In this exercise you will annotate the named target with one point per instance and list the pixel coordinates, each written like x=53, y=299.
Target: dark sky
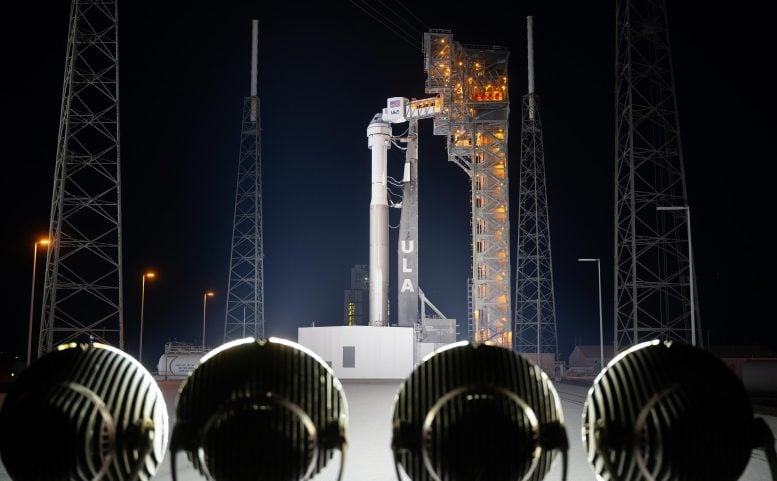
x=325, y=68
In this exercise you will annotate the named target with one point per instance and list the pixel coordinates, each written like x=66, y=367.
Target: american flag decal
x=394, y=103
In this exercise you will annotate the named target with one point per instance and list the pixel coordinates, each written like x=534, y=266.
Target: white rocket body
x=379, y=141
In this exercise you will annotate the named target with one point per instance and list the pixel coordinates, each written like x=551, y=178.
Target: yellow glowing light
x=70, y=345
x=44, y=242
x=150, y=275
x=210, y=293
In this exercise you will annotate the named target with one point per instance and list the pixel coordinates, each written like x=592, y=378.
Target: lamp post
x=149, y=275
x=690, y=263
x=205, y=297
x=601, y=333
x=43, y=242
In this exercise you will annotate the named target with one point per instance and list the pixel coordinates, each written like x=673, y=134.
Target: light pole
x=43, y=242
x=601, y=333
x=149, y=275
x=690, y=264
x=205, y=297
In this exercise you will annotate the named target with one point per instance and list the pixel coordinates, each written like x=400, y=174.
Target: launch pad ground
x=369, y=456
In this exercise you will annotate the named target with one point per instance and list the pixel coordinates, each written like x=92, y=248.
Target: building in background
x=584, y=362
x=356, y=299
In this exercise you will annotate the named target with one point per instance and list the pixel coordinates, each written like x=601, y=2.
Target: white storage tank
x=178, y=365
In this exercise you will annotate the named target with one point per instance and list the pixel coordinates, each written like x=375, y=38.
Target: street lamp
x=149, y=275
x=205, y=297
x=690, y=263
x=43, y=242
x=601, y=335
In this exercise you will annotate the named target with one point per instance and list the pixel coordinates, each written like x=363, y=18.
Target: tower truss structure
x=82, y=293
x=652, y=269
x=472, y=82
x=245, y=291
x=535, y=308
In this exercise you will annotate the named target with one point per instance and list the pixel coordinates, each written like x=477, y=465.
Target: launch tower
x=535, y=307
x=245, y=291
x=653, y=275
x=472, y=83
x=82, y=292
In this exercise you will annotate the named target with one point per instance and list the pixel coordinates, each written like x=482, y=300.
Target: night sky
x=325, y=68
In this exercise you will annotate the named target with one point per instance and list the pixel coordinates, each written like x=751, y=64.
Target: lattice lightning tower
x=535, y=309
x=245, y=291
x=652, y=269
x=82, y=293
x=472, y=82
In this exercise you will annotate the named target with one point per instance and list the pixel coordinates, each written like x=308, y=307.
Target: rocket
x=379, y=141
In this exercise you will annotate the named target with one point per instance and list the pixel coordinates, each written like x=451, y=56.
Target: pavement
x=369, y=455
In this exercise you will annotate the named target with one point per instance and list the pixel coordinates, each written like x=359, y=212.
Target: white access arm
x=400, y=109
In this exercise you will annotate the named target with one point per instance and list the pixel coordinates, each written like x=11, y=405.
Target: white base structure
x=362, y=352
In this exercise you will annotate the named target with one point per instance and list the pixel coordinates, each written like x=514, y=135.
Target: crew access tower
x=472, y=81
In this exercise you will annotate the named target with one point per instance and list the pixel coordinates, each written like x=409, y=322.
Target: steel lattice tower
x=652, y=281
x=535, y=308
x=472, y=82
x=82, y=293
x=245, y=291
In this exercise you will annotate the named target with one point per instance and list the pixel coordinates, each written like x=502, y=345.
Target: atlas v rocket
x=379, y=139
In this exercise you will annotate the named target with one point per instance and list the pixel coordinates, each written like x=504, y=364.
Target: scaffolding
x=472, y=82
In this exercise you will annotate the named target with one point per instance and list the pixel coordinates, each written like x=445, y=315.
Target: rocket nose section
x=378, y=133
